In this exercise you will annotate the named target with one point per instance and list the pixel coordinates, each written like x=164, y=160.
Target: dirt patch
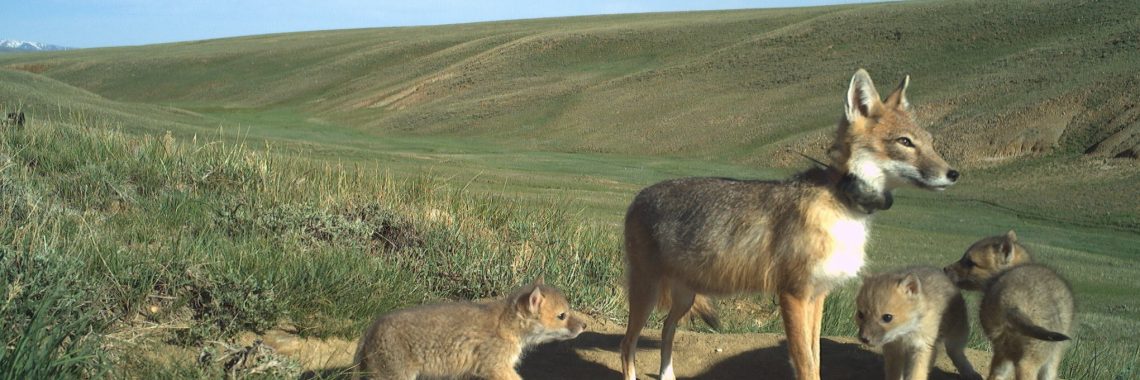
x=313, y=354
x=1028, y=131
x=34, y=68
x=1125, y=143
x=594, y=355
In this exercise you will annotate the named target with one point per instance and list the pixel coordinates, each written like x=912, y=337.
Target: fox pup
x=457, y=340
x=985, y=259
x=688, y=238
x=1027, y=309
x=908, y=312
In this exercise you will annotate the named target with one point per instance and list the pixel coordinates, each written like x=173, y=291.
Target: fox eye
x=966, y=262
x=859, y=314
x=887, y=318
x=905, y=141
x=562, y=317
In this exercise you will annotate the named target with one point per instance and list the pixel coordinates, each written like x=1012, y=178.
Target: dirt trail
x=594, y=355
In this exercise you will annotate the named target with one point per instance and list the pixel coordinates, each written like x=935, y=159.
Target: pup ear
x=863, y=101
x=1007, y=246
x=534, y=300
x=910, y=285
x=897, y=98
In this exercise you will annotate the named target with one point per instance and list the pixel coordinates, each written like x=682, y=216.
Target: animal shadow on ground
x=563, y=360
x=570, y=360
x=840, y=361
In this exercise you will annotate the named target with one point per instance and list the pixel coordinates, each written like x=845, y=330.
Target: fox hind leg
x=682, y=298
x=955, y=343
x=1049, y=371
x=1000, y=366
x=642, y=295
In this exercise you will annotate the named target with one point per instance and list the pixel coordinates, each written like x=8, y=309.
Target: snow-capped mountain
x=15, y=45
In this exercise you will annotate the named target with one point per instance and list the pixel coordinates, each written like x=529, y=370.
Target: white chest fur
x=848, y=237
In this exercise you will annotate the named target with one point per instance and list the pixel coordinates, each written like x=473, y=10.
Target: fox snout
x=936, y=172
x=576, y=326
x=956, y=278
x=938, y=178
x=952, y=175
x=866, y=339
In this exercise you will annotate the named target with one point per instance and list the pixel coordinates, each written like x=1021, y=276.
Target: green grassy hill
x=191, y=176
x=1040, y=93
x=726, y=84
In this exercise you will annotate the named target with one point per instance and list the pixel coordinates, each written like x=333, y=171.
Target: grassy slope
x=186, y=241
x=155, y=239
x=1015, y=92
x=527, y=110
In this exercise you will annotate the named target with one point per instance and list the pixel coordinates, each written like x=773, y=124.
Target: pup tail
x=702, y=307
x=1021, y=322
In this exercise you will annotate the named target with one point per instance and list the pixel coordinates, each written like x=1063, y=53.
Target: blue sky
x=97, y=23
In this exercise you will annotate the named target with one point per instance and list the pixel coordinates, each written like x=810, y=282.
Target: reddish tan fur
x=453, y=340
x=797, y=239
x=908, y=312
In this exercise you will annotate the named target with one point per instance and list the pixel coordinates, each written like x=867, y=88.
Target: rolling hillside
x=1021, y=95
x=1014, y=79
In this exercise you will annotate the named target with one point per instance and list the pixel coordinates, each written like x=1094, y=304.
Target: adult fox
x=796, y=238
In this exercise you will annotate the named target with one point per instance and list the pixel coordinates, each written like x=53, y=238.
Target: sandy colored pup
x=1027, y=313
x=797, y=238
x=460, y=340
x=908, y=312
x=985, y=259
x=1027, y=309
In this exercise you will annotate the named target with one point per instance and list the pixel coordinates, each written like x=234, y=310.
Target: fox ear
x=1007, y=246
x=862, y=100
x=897, y=98
x=1006, y=252
x=910, y=285
x=534, y=301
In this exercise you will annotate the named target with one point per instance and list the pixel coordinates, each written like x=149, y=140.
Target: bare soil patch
x=595, y=355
